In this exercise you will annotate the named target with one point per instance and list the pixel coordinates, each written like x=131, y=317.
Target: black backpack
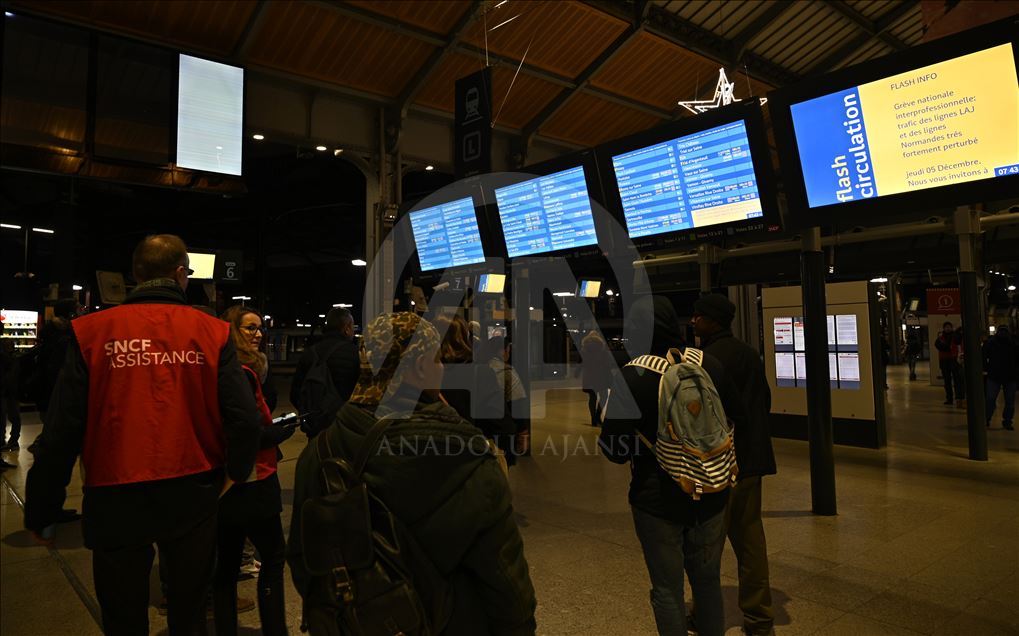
x=319, y=398
x=368, y=576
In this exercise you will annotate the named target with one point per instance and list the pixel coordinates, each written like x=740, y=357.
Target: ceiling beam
x=706, y=43
x=379, y=20
x=414, y=86
x=253, y=26
x=581, y=82
x=479, y=53
x=880, y=26
x=685, y=34
x=867, y=25
x=762, y=22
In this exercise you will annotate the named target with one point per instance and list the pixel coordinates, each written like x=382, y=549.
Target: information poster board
x=855, y=379
x=843, y=352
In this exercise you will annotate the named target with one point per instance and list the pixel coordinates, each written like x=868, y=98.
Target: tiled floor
x=926, y=541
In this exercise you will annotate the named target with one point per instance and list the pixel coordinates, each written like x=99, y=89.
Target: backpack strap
x=656, y=364
x=324, y=451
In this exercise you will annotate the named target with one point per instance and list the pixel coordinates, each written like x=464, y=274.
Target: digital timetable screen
x=546, y=214
x=705, y=178
x=447, y=235
x=942, y=124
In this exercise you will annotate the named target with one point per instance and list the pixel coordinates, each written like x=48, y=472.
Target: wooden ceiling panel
x=211, y=26
x=526, y=99
x=564, y=37
x=315, y=42
x=437, y=16
x=658, y=73
x=589, y=120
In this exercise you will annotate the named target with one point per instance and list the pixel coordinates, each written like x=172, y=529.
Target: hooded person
x=712, y=319
x=435, y=472
x=676, y=532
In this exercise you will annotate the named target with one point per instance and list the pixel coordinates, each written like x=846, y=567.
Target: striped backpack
x=695, y=442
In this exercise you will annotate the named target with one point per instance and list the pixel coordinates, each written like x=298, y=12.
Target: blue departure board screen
x=705, y=178
x=447, y=235
x=546, y=214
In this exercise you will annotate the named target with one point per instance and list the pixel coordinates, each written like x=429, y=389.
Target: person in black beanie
x=712, y=318
x=677, y=534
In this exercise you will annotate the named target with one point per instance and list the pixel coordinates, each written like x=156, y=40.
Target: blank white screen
x=210, y=116
x=203, y=264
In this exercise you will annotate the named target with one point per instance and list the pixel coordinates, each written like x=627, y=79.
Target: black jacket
x=129, y=514
x=1001, y=358
x=456, y=503
x=633, y=406
x=344, y=366
x=482, y=404
x=754, y=453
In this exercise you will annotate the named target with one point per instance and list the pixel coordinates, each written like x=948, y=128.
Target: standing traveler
x=51, y=351
x=912, y=350
x=596, y=370
x=153, y=399
x=515, y=395
x=9, y=407
x=473, y=390
x=1001, y=362
x=8, y=395
x=712, y=318
x=677, y=533
x=333, y=365
x=949, y=346
x=251, y=510
x=450, y=488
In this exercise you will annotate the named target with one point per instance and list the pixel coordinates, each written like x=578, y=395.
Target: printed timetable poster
x=947, y=123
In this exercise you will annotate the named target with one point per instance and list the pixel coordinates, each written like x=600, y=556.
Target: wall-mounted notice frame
x=843, y=352
x=855, y=376
x=933, y=126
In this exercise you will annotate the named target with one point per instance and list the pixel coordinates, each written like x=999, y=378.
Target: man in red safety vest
x=152, y=397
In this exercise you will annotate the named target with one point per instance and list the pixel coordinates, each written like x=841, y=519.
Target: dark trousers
x=122, y=581
x=746, y=534
x=1008, y=392
x=951, y=373
x=669, y=550
x=267, y=536
x=10, y=410
x=594, y=400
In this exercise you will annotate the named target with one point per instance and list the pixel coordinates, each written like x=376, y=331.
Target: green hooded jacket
x=457, y=505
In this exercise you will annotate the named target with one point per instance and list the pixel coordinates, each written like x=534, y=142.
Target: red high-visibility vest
x=265, y=460
x=153, y=397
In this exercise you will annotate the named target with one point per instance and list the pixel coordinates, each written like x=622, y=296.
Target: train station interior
x=844, y=172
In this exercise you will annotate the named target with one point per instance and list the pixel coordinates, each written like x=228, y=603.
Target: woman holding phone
x=251, y=510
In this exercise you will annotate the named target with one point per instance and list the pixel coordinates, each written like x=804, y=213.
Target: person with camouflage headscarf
x=434, y=471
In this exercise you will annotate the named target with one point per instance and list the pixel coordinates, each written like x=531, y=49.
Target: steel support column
x=815, y=328
x=967, y=227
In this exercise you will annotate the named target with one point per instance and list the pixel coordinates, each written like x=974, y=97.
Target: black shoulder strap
x=371, y=442
x=368, y=444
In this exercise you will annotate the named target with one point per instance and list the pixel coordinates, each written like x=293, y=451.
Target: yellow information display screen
x=946, y=123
